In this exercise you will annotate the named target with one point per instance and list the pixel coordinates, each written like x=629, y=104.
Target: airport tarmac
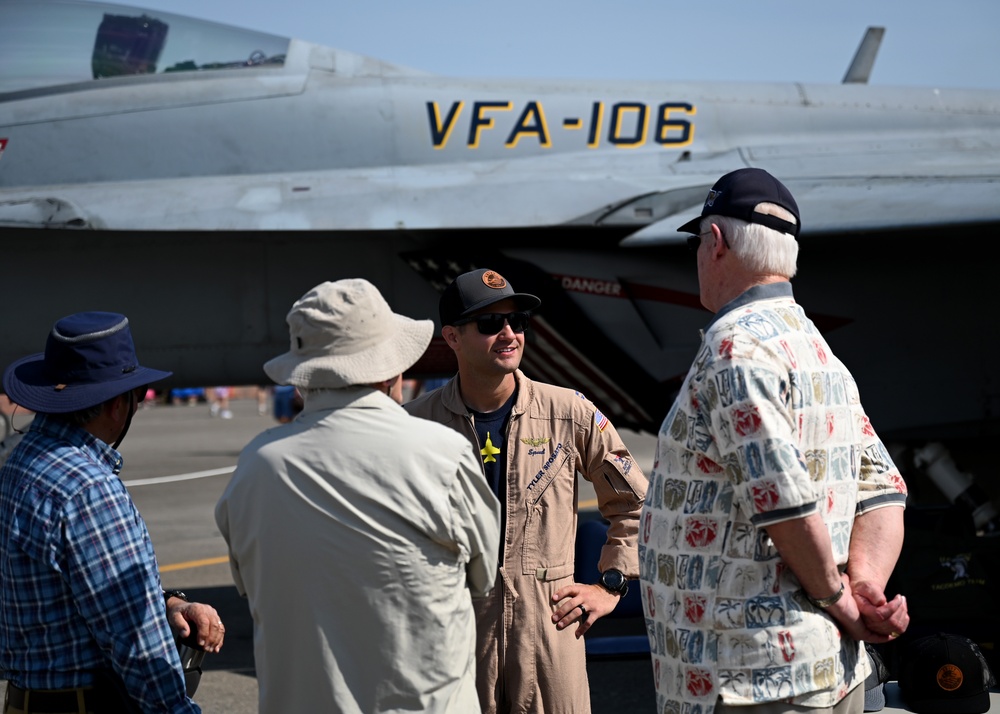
x=178, y=460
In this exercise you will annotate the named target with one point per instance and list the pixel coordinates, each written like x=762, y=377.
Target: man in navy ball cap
x=86, y=626
x=754, y=196
x=781, y=514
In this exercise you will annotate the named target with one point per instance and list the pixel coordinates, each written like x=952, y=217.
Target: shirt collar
x=452, y=396
x=81, y=438
x=757, y=292
x=357, y=396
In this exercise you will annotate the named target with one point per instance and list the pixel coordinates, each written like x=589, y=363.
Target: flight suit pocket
x=621, y=483
x=556, y=572
x=549, y=512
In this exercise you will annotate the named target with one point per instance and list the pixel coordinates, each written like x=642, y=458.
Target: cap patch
x=949, y=678
x=712, y=195
x=493, y=279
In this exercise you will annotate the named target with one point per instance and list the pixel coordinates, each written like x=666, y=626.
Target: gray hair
x=760, y=249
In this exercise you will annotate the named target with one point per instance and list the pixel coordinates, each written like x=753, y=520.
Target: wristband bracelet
x=825, y=602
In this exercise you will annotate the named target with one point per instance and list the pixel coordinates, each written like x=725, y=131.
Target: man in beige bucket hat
x=357, y=532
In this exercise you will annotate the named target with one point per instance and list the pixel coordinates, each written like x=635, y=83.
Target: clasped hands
x=867, y=615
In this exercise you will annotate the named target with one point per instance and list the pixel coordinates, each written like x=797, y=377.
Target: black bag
x=950, y=577
x=191, y=659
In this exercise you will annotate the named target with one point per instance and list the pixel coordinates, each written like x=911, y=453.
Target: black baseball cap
x=737, y=194
x=945, y=674
x=477, y=289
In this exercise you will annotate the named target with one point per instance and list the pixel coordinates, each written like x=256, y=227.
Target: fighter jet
x=200, y=177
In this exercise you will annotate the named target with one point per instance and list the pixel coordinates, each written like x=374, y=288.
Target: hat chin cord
x=13, y=426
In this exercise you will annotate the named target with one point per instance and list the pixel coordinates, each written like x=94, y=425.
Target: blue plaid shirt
x=79, y=584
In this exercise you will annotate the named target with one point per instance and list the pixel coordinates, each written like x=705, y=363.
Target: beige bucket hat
x=344, y=333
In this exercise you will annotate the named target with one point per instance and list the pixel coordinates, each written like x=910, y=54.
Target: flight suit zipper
x=508, y=457
x=501, y=585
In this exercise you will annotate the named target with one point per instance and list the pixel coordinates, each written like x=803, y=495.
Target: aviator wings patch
x=535, y=440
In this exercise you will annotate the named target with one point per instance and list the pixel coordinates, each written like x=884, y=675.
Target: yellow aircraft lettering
x=441, y=131
x=596, y=119
x=665, y=126
x=538, y=126
x=480, y=122
x=618, y=113
x=621, y=125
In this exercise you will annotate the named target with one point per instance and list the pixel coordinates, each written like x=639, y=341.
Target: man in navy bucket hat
x=87, y=626
x=89, y=358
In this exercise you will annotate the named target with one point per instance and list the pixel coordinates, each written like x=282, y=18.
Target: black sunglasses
x=694, y=242
x=492, y=322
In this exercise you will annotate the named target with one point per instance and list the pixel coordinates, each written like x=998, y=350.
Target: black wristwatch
x=614, y=582
x=167, y=594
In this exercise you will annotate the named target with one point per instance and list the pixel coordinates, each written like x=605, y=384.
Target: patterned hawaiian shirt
x=767, y=427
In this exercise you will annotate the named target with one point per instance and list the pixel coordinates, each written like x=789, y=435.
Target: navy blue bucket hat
x=89, y=358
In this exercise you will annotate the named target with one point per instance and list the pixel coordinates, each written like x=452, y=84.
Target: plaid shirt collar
x=55, y=428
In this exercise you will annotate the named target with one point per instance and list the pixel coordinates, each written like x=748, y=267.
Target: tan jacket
x=381, y=526
x=553, y=434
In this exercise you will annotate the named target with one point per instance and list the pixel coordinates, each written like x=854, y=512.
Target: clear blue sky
x=951, y=43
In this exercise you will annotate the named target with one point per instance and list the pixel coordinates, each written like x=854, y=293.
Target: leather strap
x=50, y=701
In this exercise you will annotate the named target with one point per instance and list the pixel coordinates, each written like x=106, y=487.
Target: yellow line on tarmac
x=590, y=503
x=195, y=564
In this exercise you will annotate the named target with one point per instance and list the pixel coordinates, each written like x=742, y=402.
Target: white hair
x=760, y=249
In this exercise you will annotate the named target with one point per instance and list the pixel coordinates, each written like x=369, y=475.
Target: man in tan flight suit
x=533, y=438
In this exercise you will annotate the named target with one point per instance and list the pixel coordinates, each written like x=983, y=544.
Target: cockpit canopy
x=45, y=43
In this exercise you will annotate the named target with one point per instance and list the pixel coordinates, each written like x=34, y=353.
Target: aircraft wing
x=865, y=204
x=844, y=191
x=870, y=186
x=529, y=192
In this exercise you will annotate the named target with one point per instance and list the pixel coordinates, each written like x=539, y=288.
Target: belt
x=50, y=701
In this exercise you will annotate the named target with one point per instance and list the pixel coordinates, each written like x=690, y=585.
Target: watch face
x=613, y=580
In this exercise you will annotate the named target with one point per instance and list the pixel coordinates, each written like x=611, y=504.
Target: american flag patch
x=600, y=420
